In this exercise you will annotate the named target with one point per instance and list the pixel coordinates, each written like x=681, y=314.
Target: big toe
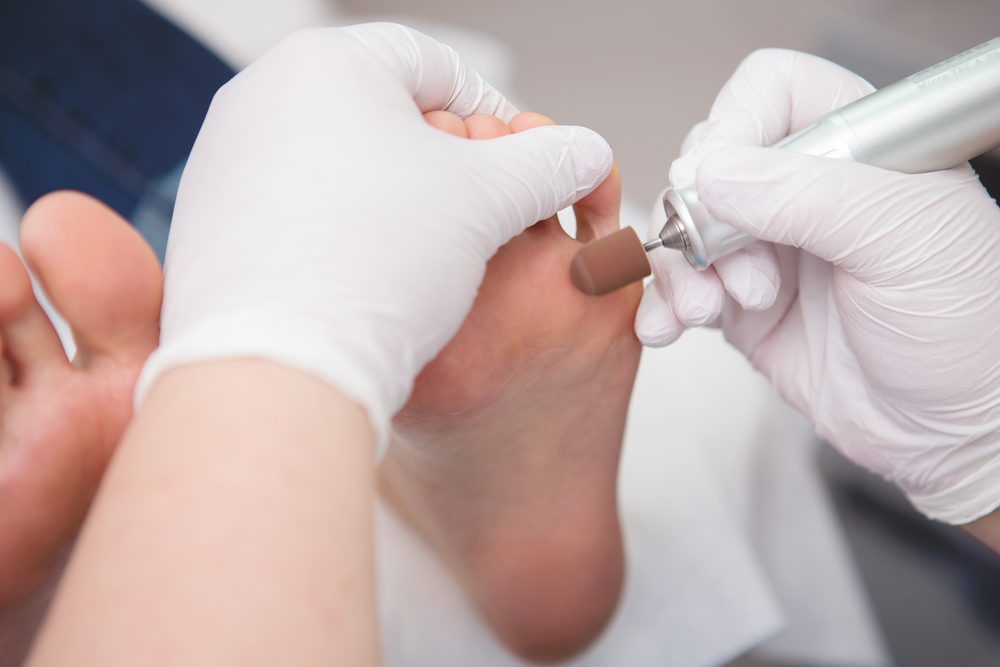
x=98, y=272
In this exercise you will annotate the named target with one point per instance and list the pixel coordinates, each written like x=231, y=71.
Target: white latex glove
x=321, y=223
x=884, y=330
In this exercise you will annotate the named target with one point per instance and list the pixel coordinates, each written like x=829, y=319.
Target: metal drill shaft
x=673, y=236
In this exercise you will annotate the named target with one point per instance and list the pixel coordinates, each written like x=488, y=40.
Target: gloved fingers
x=746, y=329
x=850, y=214
x=695, y=136
x=783, y=91
x=696, y=297
x=737, y=128
x=530, y=175
x=784, y=358
x=596, y=215
x=522, y=122
x=774, y=340
x=751, y=275
x=773, y=93
x=599, y=213
x=655, y=322
x=433, y=73
x=683, y=169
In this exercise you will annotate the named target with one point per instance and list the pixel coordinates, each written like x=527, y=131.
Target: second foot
x=60, y=420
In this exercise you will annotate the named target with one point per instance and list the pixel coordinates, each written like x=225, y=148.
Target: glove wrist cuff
x=354, y=370
x=972, y=498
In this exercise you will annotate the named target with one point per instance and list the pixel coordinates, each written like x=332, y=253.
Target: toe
x=98, y=272
x=599, y=213
x=446, y=122
x=29, y=341
x=483, y=126
x=527, y=120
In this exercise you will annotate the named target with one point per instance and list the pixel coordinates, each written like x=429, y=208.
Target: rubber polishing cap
x=610, y=263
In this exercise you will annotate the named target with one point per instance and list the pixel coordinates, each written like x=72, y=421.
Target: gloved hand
x=883, y=331
x=323, y=224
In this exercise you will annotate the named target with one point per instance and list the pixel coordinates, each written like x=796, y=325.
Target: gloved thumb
x=533, y=174
x=844, y=212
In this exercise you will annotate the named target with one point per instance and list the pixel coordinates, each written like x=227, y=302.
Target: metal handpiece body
x=934, y=119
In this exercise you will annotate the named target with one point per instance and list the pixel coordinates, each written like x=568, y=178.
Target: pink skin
x=61, y=420
x=505, y=458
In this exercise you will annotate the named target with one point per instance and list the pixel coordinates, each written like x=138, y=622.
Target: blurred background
x=855, y=577
x=643, y=72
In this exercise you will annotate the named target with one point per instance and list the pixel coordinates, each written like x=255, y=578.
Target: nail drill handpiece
x=934, y=119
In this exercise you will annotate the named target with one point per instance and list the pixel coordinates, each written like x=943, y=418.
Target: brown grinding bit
x=609, y=263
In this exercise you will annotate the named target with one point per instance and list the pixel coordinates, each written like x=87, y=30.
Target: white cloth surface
x=731, y=541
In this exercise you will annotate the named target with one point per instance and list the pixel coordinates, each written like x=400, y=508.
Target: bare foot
x=60, y=421
x=506, y=456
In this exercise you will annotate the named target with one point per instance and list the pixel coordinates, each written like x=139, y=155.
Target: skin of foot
x=60, y=420
x=505, y=458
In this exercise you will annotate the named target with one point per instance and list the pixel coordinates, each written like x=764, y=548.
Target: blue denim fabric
x=102, y=96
